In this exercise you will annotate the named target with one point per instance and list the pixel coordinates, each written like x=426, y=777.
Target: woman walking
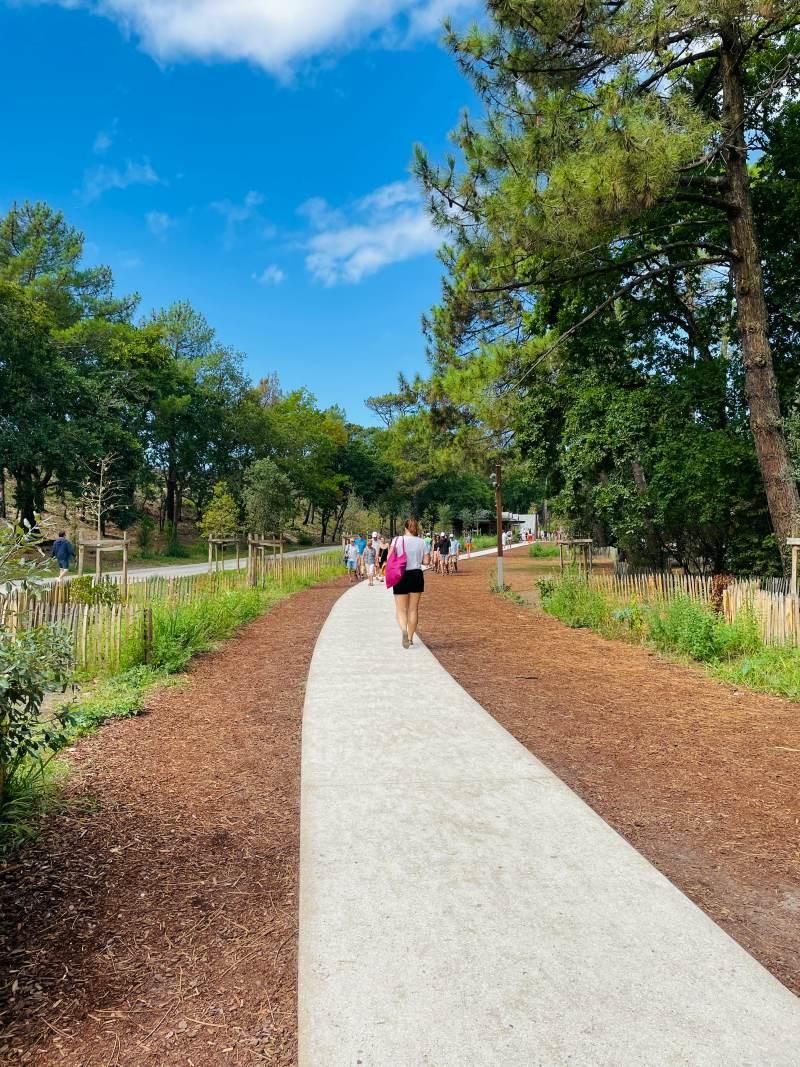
x=412, y=585
x=383, y=553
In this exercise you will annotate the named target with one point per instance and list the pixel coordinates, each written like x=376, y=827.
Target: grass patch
x=505, y=591
x=36, y=790
x=769, y=669
x=696, y=631
x=576, y=603
x=681, y=627
x=540, y=551
x=483, y=541
x=119, y=697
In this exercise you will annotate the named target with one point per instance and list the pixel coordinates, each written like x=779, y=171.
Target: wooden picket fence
x=774, y=608
x=101, y=631
x=652, y=585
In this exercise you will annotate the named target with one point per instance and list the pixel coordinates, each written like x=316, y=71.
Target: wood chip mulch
x=154, y=920
x=701, y=777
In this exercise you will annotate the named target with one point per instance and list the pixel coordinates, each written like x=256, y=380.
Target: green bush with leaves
x=681, y=626
x=221, y=516
x=269, y=498
x=84, y=591
x=144, y=537
x=32, y=664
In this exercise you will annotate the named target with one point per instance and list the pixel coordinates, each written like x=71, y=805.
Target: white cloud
x=239, y=212
x=159, y=223
x=102, y=142
x=100, y=179
x=389, y=196
x=274, y=34
x=271, y=275
x=105, y=138
x=235, y=213
x=389, y=225
x=320, y=213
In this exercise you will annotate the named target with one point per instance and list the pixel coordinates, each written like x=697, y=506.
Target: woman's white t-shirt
x=414, y=548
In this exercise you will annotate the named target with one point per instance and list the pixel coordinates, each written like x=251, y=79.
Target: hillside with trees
x=163, y=410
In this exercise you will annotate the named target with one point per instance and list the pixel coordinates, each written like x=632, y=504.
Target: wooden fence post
x=147, y=633
x=125, y=565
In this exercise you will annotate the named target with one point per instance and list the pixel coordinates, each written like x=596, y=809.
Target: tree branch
x=624, y=290
x=685, y=61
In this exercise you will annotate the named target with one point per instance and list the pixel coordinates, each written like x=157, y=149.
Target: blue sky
x=250, y=156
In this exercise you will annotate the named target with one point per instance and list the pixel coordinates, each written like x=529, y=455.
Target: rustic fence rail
x=101, y=632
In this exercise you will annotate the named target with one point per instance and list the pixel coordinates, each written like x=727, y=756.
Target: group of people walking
x=400, y=564
x=366, y=557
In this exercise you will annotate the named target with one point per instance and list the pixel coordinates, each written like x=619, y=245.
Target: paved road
x=182, y=569
x=178, y=569
x=459, y=905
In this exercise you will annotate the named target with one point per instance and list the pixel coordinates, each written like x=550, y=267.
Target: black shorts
x=411, y=582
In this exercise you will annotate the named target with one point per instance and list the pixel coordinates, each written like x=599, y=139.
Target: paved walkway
x=182, y=570
x=461, y=907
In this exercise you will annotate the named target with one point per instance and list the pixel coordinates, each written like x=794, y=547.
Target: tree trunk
x=339, y=521
x=169, y=504
x=24, y=496
x=324, y=516
x=656, y=554
x=2, y=492
x=761, y=387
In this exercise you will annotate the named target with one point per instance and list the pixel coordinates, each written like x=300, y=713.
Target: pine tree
x=613, y=157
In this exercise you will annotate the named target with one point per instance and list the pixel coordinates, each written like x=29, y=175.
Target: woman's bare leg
x=413, y=615
x=401, y=610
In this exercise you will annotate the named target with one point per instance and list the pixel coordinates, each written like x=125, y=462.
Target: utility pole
x=497, y=480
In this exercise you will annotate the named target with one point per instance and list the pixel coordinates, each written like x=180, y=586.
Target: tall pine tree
x=615, y=154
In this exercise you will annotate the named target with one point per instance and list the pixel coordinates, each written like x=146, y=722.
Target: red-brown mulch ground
x=155, y=920
x=702, y=778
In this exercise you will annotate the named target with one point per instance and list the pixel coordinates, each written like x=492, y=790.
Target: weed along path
x=700, y=777
x=460, y=905
x=155, y=920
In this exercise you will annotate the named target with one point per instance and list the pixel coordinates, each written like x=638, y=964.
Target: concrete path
x=461, y=907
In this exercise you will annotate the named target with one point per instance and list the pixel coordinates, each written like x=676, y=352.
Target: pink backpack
x=395, y=565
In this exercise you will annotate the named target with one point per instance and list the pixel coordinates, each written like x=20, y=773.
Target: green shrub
x=695, y=630
x=145, y=537
x=547, y=588
x=572, y=600
x=32, y=663
x=182, y=630
x=630, y=618
x=83, y=591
